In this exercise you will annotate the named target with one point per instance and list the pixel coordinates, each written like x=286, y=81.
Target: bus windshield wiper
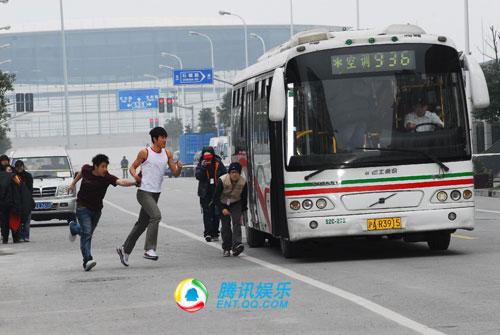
x=46, y=176
x=309, y=176
x=423, y=153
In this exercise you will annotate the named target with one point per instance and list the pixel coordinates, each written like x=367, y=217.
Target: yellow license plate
x=384, y=224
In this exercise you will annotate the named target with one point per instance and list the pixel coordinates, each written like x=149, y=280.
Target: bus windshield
x=342, y=102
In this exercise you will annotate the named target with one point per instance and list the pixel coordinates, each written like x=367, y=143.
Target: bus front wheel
x=289, y=249
x=439, y=241
x=255, y=238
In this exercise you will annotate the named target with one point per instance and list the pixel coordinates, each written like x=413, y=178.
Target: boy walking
x=231, y=200
x=153, y=161
x=95, y=182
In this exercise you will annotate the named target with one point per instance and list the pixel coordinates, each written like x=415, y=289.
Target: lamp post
x=291, y=19
x=467, y=28
x=261, y=41
x=357, y=15
x=167, y=54
x=65, y=74
x=214, y=94
x=5, y=61
x=222, y=12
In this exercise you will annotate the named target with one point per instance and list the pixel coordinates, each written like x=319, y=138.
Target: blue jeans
x=25, y=228
x=88, y=220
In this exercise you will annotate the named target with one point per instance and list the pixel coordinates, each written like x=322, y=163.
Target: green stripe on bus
x=380, y=180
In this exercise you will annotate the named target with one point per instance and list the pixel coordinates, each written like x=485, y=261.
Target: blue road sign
x=138, y=99
x=193, y=77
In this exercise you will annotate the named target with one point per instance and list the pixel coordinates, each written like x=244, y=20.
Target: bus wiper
x=46, y=176
x=309, y=176
x=423, y=153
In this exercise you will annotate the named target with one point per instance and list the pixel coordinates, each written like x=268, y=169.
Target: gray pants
x=231, y=237
x=149, y=217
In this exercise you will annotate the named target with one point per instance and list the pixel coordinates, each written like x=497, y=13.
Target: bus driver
x=422, y=116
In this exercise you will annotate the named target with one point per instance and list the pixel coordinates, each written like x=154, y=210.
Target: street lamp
x=467, y=28
x=151, y=76
x=167, y=54
x=261, y=41
x=3, y=46
x=161, y=66
x=5, y=61
x=195, y=33
x=65, y=73
x=223, y=12
x=5, y=28
x=291, y=19
x=4, y=1
x=357, y=15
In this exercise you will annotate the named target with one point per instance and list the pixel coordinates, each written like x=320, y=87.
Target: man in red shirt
x=95, y=182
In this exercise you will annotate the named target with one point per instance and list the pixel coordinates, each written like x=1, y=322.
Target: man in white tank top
x=153, y=161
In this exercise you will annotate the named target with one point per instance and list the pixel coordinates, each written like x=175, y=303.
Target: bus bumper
x=357, y=225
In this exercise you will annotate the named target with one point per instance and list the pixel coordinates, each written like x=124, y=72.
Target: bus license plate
x=43, y=205
x=384, y=224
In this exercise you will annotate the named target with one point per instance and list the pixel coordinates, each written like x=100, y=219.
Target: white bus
x=358, y=133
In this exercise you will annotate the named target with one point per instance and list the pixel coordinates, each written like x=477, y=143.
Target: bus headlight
x=307, y=204
x=455, y=195
x=442, y=196
x=295, y=205
x=321, y=203
x=467, y=194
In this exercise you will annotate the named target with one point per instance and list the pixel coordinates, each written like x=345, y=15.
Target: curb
x=488, y=193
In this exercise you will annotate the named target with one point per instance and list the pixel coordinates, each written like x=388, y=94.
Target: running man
x=95, y=181
x=153, y=161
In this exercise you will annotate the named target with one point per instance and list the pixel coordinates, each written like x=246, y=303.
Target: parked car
x=52, y=174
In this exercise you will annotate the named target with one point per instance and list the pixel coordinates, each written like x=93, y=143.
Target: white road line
x=487, y=211
x=360, y=301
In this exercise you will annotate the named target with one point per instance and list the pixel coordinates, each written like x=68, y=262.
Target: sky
x=441, y=17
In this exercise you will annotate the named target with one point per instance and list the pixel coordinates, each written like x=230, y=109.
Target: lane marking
x=487, y=211
x=464, y=237
x=360, y=301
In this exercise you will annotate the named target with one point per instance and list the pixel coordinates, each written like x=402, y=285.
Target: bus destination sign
x=373, y=62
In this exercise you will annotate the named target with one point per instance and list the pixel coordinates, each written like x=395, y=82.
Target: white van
x=52, y=174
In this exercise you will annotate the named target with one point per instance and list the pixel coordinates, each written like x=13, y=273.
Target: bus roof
x=322, y=39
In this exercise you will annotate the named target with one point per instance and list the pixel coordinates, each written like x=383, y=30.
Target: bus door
x=252, y=198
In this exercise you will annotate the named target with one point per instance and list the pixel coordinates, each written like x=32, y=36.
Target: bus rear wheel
x=439, y=241
x=289, y=249
x=255, y=238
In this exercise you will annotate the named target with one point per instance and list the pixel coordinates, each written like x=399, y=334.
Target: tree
x=492, y=73
x=224, y=111
x=6, y=84
x=207, y=121
x=174, y=131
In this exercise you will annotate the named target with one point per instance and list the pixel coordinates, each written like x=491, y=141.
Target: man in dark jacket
x=9, y=203
x=231, y=200
x=208, y=171
x=4, y=162
x=27, y=202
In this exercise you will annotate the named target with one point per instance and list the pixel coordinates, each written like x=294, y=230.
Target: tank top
x=153, y=171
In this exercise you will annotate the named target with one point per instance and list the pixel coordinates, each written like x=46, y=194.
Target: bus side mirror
x=277, y=99
x=478, y=86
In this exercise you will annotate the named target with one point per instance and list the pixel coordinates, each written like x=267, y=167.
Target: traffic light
x=19, y=102
x=170, y=105
x=161, y=105
x=28, y=100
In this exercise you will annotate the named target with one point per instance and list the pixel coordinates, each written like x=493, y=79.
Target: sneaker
x=89, y=265
x=26, y=239
x=208, y=238
x=226, y=253
x=71, y=237
x=238, y=249
x=151, y=254
x=123, y=255
x=215, y=238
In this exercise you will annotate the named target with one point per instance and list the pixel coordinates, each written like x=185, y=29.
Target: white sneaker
x=123, y=255
x=89, y=265
x=151, y=254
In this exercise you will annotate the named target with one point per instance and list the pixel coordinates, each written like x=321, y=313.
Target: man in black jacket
x=9, y=203
x=27, y=202
x=231, y=200
x=208, y=171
